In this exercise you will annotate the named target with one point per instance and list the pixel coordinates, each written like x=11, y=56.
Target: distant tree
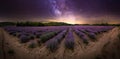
x=7, y=24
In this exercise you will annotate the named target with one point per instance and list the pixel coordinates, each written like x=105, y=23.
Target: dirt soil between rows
x=106, y=46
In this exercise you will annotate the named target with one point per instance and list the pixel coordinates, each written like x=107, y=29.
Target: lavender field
x=59, y=42
x=52, y=36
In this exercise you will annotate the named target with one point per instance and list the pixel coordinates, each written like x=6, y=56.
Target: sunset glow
x=68, y=11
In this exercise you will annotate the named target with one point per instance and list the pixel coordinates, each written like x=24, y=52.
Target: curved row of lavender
x=91, y=31
x=69, y=39
x=94, y=29
x=82, y=35
x=53, y=43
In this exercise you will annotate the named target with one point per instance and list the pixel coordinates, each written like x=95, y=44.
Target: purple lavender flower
x=53, y=43
x=69, y=40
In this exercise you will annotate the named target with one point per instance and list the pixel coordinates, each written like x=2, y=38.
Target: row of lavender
x=90, y=32
x=69, y=39
x=53, y=43
x=29, y=33
x=52, y=36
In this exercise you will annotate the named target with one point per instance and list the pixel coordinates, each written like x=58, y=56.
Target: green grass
x=32, y=45
x=45, y=37
x=11, y=51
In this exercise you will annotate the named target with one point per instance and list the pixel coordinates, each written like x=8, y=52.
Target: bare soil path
x=81, y=50
x=2, y=48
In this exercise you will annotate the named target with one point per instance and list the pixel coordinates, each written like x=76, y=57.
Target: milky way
x=60, y=7
x=62, y=10
x=82, y=11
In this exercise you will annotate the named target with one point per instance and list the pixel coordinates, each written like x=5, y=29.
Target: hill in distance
x=28, y=23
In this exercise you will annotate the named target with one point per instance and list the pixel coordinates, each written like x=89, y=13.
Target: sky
x=70, y=11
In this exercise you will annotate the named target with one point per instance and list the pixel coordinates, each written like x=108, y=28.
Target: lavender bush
x=46, y=37
x=69, y=40
x=82, y=36
x=53, y=43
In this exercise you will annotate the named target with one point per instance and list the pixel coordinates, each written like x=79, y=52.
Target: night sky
x=77, y=11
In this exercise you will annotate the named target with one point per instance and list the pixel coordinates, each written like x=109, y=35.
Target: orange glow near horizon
x=67, y=19
x=70, y=19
